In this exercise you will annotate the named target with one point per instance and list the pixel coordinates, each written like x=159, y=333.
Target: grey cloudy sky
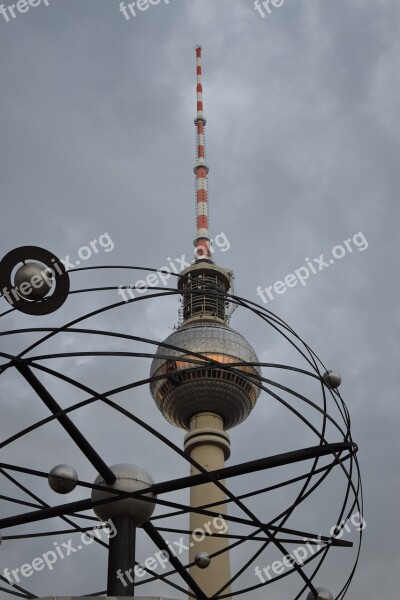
x=303, y=135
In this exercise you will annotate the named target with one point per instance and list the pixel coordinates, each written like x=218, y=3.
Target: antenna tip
x=198, y=48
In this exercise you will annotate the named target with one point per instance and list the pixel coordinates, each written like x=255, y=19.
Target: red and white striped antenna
x=202, y=240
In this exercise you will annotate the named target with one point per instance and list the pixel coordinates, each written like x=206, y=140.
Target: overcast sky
x=98, y=143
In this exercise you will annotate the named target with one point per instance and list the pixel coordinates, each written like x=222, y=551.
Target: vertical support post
x=209, y=445
x=121, y=558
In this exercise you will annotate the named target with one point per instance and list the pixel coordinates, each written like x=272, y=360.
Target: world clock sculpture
x=206, y=379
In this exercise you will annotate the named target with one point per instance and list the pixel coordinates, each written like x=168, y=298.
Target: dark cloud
x=302, y=139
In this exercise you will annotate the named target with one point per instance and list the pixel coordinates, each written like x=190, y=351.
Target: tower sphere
x=130, y=478
x=37, y=279
x=181, y=394
x=322, y=595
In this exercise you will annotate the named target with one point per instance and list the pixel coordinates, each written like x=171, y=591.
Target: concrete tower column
x=209, y=445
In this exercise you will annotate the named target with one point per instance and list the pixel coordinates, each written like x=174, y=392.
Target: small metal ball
x=33, y=281
x=332, y=379
x=323, y=594
x=63, y=479
x=202, y=560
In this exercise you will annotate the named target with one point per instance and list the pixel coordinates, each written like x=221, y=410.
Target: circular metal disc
x=49, y=304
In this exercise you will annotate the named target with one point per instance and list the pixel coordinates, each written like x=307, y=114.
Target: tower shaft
x=209, y=445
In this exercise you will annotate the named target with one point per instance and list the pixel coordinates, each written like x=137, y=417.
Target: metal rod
x=248, y=467
x=66, y=422
x=121, y=558
x=175, y=562
x=269, y=462
x=178, y=484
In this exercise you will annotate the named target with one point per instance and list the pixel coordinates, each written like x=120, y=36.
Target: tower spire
x=205, y=402
x=202, y=240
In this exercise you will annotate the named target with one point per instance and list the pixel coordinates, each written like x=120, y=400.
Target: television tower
x=210, y=401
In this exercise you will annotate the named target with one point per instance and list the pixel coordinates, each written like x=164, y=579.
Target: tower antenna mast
x=202, y=240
